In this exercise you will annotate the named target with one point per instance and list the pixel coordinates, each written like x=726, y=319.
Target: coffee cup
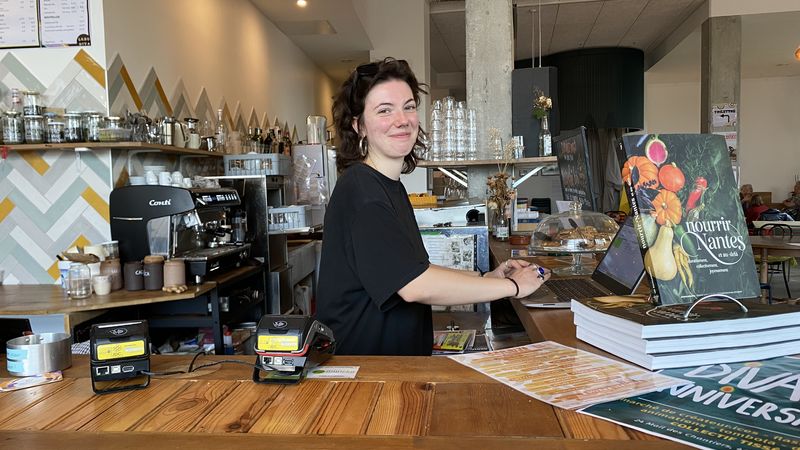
x=150, y=177
x=164, y=178
x=177, y=177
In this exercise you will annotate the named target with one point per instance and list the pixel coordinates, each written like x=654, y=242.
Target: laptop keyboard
x=576, y=288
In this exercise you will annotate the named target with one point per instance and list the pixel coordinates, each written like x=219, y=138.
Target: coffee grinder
x=120, y=356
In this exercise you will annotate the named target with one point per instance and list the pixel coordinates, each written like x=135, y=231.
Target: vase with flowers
x=542, y=105
x=500, y=194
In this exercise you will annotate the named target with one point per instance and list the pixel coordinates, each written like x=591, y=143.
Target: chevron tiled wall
x=53, y=200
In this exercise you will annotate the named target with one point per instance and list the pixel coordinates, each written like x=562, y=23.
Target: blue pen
x=541, y=272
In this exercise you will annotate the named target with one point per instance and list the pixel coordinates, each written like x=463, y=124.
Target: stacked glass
x=461, y=131
x=472, y=135
x=437, y=125
x=449, y=143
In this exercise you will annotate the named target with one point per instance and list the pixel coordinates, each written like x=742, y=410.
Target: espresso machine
x=192, y=224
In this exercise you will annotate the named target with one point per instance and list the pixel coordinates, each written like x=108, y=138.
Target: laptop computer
x=618, y=273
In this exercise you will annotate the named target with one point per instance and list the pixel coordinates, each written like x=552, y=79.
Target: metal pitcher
x=315, y=128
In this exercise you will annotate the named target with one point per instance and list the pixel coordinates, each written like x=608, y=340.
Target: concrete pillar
x=721, y=54
x=490, y=60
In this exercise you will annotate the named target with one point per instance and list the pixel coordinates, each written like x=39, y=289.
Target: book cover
x=748, y=406
x=636, y=316
x=689, y=221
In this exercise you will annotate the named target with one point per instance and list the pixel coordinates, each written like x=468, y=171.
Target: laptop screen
x=622, y=268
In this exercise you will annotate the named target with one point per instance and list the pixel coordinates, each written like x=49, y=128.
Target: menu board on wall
x=64, y=22
x=44, y=23
x=19, y=23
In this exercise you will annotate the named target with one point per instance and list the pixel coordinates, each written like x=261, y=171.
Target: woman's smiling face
x=390, y=121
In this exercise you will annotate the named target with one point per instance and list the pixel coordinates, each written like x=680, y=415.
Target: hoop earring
x=363, y=145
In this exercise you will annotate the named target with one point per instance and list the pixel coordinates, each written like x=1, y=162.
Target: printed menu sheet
x=563, y=376
x=18, y=23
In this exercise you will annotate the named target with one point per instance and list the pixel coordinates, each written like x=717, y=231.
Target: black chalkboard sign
x=572, y=152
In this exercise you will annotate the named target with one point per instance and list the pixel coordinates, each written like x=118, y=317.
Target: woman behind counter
x=376, y=285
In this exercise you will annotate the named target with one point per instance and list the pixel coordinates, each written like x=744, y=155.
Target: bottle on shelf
x=221, y=133
x=545, y=140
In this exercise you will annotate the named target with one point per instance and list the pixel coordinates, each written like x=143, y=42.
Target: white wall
x=228, y=47
x=768, y=128
x=41, y=61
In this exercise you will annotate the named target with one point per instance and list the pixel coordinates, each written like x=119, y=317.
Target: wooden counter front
x=395, y=402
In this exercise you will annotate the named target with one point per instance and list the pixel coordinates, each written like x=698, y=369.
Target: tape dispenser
x=120, y=356
x=287, y=347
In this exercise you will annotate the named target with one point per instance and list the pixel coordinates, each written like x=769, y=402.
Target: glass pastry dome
x=576, y=232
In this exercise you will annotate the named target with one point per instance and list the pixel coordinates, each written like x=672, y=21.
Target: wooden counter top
x=52, y=299
x=395, y=402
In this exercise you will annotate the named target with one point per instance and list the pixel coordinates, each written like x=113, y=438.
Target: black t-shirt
x=372, y=248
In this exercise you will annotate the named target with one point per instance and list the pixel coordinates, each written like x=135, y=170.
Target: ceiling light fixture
x=797, y=54
x=302, y=3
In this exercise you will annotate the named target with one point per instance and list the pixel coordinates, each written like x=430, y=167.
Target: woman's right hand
x=528, y=279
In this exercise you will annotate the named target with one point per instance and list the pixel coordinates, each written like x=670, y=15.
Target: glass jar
x=55, y=132
x=31, y=105
x=113, y=130
x=34, y=129
x=79, y=284
x=13, y=131
x=92, y=122
x=73, y=130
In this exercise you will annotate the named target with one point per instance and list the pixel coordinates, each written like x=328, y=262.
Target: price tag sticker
x=120, y=350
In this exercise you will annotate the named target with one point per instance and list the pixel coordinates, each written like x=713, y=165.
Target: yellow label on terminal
x=120, y=350
x=278, y=343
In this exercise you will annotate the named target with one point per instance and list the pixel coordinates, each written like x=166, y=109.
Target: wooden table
x=395, y=402
x=776, y=246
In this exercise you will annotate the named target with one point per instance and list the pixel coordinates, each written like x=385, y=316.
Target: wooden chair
x=777, y=263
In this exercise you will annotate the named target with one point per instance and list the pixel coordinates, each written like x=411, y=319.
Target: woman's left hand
x=506, y=268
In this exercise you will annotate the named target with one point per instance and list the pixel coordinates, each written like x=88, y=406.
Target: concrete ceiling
x=331, y=33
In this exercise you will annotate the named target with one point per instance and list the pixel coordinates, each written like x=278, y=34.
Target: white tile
x=31, y=247
x=68, y=218
x=30, y=192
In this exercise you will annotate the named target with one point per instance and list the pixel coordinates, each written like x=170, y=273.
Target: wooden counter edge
x=65, y=305
x=118, y=440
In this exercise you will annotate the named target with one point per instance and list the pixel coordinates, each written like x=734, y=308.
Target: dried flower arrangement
x=500, y=193
x=541, y=104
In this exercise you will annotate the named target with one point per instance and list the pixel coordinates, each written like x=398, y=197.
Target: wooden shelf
x=71, y=146
x=535, y=161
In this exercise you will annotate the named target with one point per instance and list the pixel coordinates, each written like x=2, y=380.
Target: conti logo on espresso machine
x=167, y=202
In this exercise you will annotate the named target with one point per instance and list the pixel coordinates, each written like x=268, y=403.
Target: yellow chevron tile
x=123, y=72
x=97, y=203
x=36, y=161
x=91, y=67
x=53, y=271
x=163, y=97
x=81, y=241
x=5, y=208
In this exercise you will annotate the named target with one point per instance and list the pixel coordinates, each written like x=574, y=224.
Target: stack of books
x=658, y=337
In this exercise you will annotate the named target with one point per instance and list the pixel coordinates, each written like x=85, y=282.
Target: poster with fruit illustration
x=688, y=218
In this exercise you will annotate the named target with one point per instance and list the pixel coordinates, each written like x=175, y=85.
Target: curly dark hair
x=349, y=104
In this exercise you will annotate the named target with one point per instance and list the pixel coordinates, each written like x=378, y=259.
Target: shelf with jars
x=71, y=146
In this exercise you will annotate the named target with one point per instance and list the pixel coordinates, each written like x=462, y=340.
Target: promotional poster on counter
x=743, y=406
x=688, y=217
